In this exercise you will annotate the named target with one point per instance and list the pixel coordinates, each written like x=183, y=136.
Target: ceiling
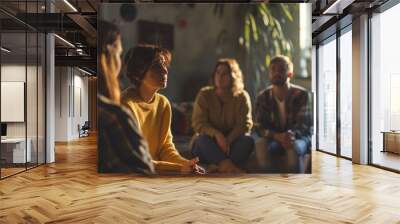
x=76, y=22
x=76, y=25
x=73, y=20
x=330, y=15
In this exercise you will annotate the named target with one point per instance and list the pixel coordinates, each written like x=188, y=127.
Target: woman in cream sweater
x=222, y=119
x=147, y=69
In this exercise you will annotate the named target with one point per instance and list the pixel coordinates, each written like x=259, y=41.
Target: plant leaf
x=285, y=9
x=254, y=27
x=247, y=33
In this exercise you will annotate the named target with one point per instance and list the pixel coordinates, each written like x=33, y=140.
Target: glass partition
x=14, y=145
x=327, y=96
x=22, y=90
x=346, y=93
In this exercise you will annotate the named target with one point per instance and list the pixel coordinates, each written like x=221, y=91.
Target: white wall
x=61, y=103
x=33, y=127
x=80, y=111
x=71, y=103
x=16, y=73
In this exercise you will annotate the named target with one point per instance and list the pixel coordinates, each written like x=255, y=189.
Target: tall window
x=314, y=90
x=327, y=96
x=385, y=84
x=346, y=94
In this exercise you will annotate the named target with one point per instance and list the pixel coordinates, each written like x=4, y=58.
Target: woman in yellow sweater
x=147, y=69
x=222, y=119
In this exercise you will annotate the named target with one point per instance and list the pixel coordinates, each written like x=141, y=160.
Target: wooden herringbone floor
x=70, y=191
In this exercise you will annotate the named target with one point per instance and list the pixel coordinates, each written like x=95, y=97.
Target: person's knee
x=274, y=147
x=300, y=147
x=201, y=142
x=203, y=139
x=242, y=147
x=246, y=143
x=207, y=150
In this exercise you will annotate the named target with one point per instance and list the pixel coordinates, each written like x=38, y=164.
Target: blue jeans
x=273, y=153
x=208, y=151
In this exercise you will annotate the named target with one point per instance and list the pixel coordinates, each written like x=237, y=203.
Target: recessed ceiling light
x=65, y=41
x=337, y=6
x=70, y=6
x=84, y=71
x=5, y=50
